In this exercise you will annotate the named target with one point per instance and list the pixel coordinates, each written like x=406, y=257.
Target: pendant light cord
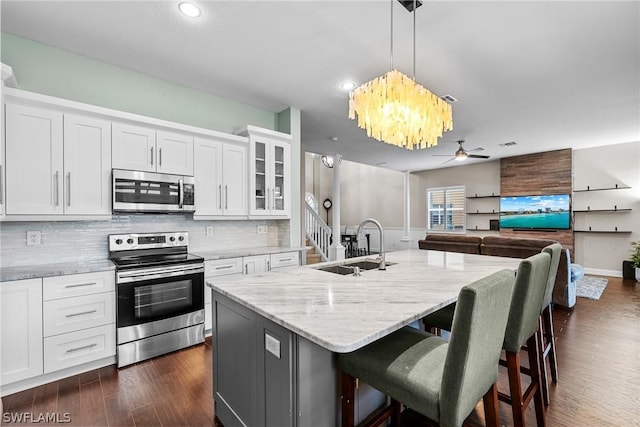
x=391, y=36
x=414, y=40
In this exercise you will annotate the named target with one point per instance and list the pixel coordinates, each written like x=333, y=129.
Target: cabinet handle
x=220, y=193
x=268, y=265
x=267, y=200
x=151, y=156
x=160, y=157
x=226, y=196
x=56, y=177
x=81, y=285
x=69, y=192
x=80, y=314
x=224, y=267
x=246, y=269
x=286, y=259
x=71, y=350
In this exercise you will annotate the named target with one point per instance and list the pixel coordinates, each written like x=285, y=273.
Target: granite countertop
x=234, y=253
x=47, y=270
x=344, y=313
x=61, y=269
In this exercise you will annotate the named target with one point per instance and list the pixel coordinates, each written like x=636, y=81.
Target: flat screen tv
x=536, y=212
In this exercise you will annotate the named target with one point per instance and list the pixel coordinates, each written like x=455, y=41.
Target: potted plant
x=635, y=258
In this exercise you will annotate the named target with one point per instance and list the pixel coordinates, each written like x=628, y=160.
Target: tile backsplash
x=69, y=241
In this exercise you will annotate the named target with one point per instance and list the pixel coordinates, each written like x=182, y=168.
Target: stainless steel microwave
x=136, y=191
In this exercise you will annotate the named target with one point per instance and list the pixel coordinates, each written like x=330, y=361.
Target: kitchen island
x=276, y=335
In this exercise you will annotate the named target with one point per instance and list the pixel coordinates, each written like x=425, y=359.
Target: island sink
x=349, y=267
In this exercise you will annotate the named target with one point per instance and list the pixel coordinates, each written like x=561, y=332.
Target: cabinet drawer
x=222, y=267
x=75, y=348
x=72, y=314
x=286, y=259
x=78, y=284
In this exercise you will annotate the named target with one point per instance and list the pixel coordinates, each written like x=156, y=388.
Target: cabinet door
x=34, y=160
x=256, y=264
x=87, y=165
x=2, y=139
x=133, y=147
x=280, y=178
x=175, y=153
x=259, y=185
x=21, y=327
x=208, y=176
x=234, y=179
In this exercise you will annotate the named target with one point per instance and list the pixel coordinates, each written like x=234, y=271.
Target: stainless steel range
x=160, y=293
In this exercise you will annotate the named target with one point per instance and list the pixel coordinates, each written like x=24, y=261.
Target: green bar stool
x=548, y=341
x=522, y=328
x=438, y=379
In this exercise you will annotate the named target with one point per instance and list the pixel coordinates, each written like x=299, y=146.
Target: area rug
x=591, y=287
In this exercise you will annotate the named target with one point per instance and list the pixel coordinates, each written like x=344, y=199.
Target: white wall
x=600, y=167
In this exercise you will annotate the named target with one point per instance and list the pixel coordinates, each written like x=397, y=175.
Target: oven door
x=151, y=302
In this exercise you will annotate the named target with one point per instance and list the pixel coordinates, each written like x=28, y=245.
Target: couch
x=564, y=291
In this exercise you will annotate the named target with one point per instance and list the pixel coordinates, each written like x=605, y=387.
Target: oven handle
x=158, y=273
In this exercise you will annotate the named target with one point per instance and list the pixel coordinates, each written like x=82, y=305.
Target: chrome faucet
x=381, y=262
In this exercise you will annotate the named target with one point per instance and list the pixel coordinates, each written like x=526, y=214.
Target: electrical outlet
x=263, y=229
x=34, y=238
x=209, y=230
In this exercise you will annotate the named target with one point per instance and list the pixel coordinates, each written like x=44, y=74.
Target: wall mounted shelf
x=617, y=187
x=480, y=229
x=483, y=213
x=483, y=197
x=603, y=231
x=602, y=210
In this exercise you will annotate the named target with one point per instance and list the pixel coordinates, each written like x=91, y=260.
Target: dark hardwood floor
x=598, y=346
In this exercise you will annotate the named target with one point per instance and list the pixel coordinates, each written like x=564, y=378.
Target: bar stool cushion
x=439, y=379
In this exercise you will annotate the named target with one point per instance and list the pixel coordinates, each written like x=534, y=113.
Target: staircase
x=312, y=256
x=318, y=236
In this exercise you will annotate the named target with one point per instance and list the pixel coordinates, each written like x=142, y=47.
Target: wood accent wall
x=550, y=172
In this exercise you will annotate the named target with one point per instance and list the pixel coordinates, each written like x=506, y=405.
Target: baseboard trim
x=601, y=272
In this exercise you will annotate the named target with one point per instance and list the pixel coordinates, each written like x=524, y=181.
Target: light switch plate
x=209, y=230
x=272, y=345
x=263, y=229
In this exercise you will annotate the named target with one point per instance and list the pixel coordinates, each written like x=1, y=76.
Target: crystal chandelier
x=393, y=108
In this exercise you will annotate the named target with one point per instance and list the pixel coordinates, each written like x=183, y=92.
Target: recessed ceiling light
x=189, y=9
x=348, y=85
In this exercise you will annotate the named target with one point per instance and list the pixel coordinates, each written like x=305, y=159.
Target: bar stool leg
x=547, y=320
x=491, y=410
x=544, y=385
x=534, y=366
x=515, y=388
x=348, y=397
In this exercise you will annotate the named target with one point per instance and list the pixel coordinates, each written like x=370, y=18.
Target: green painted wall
x=52, y=71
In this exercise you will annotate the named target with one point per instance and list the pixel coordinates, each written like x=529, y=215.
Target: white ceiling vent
x=449, y=98
x=508, y=144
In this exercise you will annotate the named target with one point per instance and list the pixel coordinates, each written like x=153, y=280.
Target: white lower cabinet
x=21, y=327
x=256, y=264
x=212, y=270
x=79, y=319
x=285, y=259
x=78, y=347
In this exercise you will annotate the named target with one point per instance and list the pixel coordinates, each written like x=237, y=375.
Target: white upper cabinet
x=270, y=172
x=34, y=150
x=175, y=153
x=133, y=147
x=221, y=177
x=56, y=164
x=87, y=166
x=142, y=148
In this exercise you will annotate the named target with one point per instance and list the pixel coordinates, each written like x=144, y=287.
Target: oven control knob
x=118, y=241
x=172, y=239
x=130, y=241
x=181, y=238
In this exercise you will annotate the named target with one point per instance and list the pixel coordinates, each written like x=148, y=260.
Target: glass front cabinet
x=270, y=172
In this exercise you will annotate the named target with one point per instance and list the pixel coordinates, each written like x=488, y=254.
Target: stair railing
x=318, y=232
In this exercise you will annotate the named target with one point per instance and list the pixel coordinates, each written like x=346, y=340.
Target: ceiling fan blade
x=476, y=156
x=444, y=163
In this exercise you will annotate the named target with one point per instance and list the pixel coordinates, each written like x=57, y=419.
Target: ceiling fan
x=462, y=154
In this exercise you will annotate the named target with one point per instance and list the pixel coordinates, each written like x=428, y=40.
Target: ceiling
x=548, y=75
